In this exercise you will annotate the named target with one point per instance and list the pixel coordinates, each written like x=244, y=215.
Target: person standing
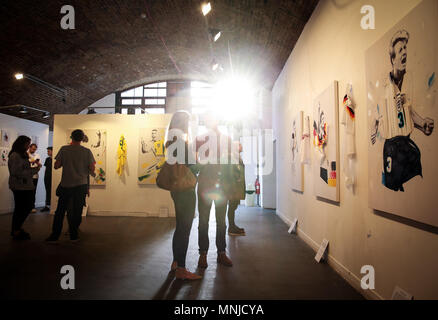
x=234, y=188
x=185, y=201
x=21, y=184
x=210, y=189
x=77, y=163
x=35, y=162
x=48, y=178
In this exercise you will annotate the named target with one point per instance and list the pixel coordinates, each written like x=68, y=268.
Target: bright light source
x=206, y=8
x=18, y=76
x=215, y=66
x=233, y=99
x=217, y=36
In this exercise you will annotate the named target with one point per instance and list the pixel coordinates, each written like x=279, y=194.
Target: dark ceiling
x=117, y=43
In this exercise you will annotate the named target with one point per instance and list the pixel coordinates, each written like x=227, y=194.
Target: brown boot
x=223, y=259
x=184, y=274
x=202, y=262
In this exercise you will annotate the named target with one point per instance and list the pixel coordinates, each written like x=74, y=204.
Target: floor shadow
x=171, y=289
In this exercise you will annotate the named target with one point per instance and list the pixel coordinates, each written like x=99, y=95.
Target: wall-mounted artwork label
x=95, y=140
x=295, y=138
x=5, y=140
x=326, y=144
x=4, y=157
x=402, y=110
x=400, y=294
x=151, y=156
x=322, y=251
x=293, y=226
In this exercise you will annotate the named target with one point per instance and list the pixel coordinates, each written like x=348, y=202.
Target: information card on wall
x=322, y=250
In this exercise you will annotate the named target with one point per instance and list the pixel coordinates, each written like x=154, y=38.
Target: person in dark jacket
x=185, y=201
x=48, y=178
x=21, y=184
x=234, y=188
x=211, y=189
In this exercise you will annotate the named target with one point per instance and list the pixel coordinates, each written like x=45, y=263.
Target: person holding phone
x=35, y=162
x=21, y=183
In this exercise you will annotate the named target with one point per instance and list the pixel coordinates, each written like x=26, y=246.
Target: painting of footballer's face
x=400, y=56
x=154, y=135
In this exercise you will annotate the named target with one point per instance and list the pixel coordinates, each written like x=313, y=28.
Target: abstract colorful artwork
x=95, y=140
x=5, y=140
x=4, y=157
x=326, y=144
x=402, y=110
x=297, y=166
x=151, y=156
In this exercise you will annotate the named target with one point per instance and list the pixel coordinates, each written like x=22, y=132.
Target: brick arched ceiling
x=119, y=42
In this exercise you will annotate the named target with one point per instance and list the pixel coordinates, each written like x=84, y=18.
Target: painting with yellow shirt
x=151, y=154
x=95, y=140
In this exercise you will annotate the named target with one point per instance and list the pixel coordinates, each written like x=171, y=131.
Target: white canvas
x=402, y=108
x=326, y=144
x=96, y=142
x=295, y=143
x=151, y=155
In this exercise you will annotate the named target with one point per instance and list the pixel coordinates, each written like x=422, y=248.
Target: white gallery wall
x=121, y=196
x=332, y=47
x=16, y=126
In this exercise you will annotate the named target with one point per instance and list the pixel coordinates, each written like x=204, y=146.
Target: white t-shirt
x=396, y=108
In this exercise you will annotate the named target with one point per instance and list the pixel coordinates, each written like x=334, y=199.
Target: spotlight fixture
x=206, y=8
x=46, y=115
x=214, y=65
x=215, y=34
x=91, y=111
x=59, y=91
x=23, y=110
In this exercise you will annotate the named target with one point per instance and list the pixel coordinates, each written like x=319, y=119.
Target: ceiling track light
x=23, y=110
x=91, y=111
x=46, y=115
x=60, y=92
x=215, y=34
x=206, y=8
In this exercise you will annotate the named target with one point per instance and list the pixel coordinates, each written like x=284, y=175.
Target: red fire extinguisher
x=257, y=186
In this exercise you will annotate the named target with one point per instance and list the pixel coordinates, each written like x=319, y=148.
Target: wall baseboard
x=342, y=270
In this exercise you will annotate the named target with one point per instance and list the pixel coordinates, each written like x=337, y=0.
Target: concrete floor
x=129, y=258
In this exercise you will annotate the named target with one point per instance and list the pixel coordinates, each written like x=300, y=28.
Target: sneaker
x=224, y=260
x=22, y=235
x=52, y=239
x=184, y=274
x=236, y=231
x=202, y=262
x=74, y=238
x=45, y=209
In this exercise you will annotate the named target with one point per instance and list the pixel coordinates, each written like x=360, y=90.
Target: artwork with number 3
x=401, y=70
x=95, y=140
x=151, y=155
x=326, y=143
x=295, y=141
